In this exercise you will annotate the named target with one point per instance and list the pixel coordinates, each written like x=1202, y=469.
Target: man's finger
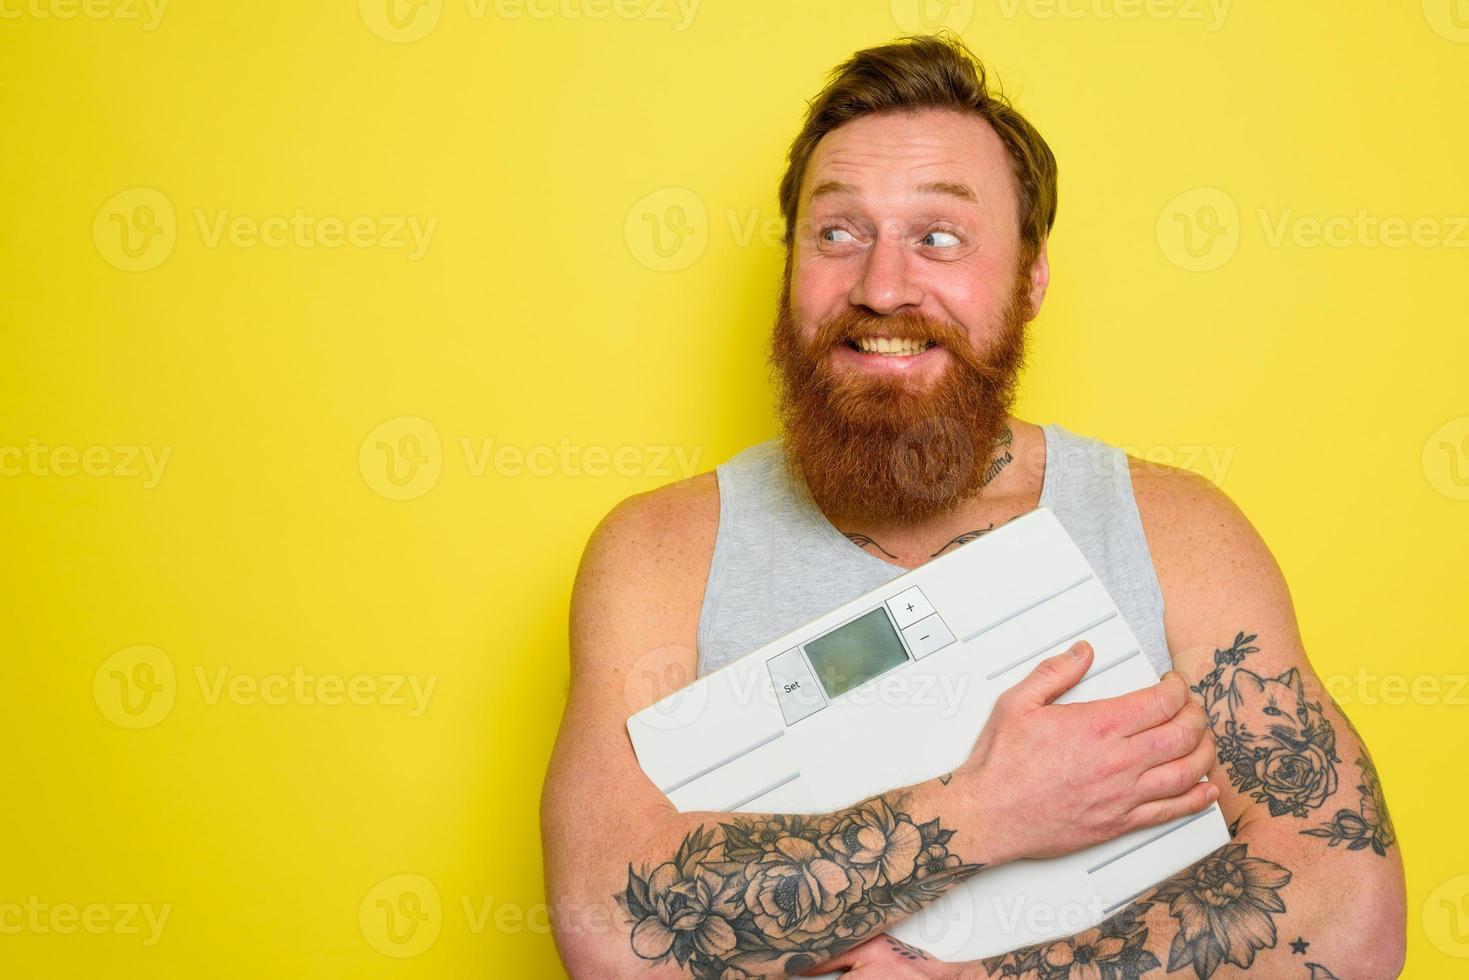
x=1054, y=676
x=1174, y=778
x=844, y=961
x=1146, y=708
x=1199, y=796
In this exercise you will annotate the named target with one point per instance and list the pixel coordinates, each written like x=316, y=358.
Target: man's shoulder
x=657, y=542
x=1203, y=547
x=670, y=514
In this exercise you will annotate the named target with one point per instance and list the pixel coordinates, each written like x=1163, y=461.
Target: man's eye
x=830, y=235
x=940, y=239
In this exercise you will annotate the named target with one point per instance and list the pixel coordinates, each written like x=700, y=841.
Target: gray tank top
x=779, y=563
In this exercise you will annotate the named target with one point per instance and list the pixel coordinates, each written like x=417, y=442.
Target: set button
x=795, y=686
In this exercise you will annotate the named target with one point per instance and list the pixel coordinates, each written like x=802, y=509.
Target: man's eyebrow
x=952, y=188
x=831, y=187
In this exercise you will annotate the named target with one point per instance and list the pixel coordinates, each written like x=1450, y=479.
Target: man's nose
x=885, y=283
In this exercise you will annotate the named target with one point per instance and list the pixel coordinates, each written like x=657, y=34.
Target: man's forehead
x=930, y=152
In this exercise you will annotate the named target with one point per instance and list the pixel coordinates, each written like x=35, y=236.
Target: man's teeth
x=888, y=345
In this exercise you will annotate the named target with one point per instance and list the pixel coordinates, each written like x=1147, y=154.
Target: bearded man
x=918, y=204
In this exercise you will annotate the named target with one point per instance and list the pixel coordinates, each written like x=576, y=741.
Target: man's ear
x=1040, y=278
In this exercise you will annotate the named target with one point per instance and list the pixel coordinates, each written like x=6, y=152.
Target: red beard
x=884, y=448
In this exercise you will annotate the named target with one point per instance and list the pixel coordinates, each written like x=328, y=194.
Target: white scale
x=893, y=688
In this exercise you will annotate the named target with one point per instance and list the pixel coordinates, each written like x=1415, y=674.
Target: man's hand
x=1055, y=778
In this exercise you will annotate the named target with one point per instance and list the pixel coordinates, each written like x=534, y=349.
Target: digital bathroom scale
x=892, y=689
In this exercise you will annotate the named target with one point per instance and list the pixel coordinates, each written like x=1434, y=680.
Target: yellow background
x=548, y=148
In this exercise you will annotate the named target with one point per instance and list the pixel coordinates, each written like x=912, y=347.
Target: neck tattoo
x=1002, y=457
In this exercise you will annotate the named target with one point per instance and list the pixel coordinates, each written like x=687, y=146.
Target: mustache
x=991, y=366
x=905, y=325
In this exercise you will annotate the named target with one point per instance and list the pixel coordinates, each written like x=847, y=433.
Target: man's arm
x=1298, y=781
x=1312, y=884
x=636, y=887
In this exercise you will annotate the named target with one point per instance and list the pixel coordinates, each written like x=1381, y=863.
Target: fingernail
x=1211, y=794
x=1079, y=649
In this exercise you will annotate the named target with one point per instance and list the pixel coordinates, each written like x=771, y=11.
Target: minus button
x=927, y=636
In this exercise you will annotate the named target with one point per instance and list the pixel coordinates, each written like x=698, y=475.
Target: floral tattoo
x=1369, y=825
x=1224, y=906
x=741, y=896
x=1276, y=744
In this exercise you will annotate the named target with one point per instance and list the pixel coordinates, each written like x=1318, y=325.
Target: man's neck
x=1012, y=486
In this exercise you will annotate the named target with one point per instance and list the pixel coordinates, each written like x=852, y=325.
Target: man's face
x=902, y=320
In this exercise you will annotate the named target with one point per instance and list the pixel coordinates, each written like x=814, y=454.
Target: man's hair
x=928, y=71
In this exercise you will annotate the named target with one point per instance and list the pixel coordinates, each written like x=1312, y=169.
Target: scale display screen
x=852, y=655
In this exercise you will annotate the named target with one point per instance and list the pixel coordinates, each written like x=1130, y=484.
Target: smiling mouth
x=889, y=346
